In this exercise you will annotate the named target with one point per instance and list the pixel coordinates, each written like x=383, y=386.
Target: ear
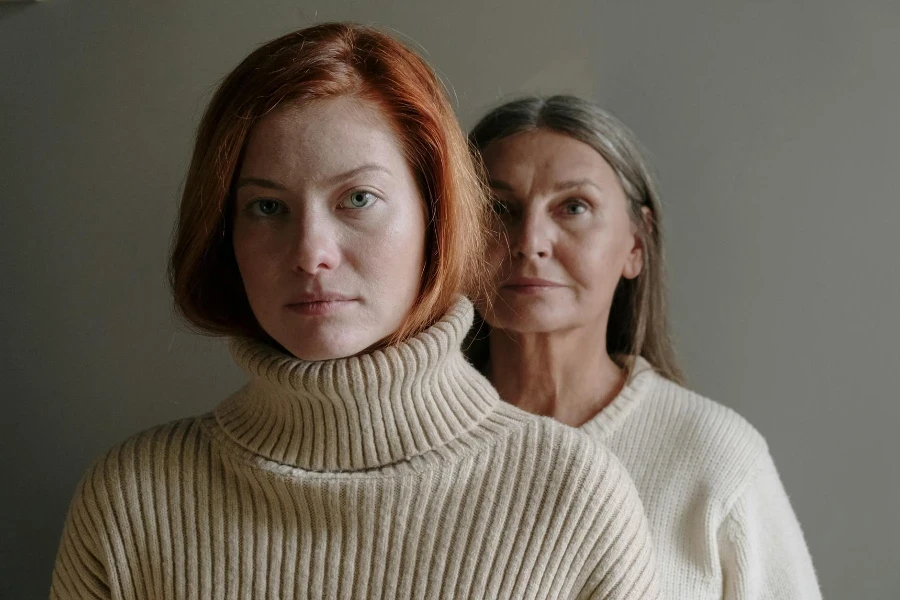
x=634, y=264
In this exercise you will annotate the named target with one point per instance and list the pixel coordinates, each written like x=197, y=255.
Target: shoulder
x=590, y=489
x=701, y=423
x=573, y=459
x=552, y=437
x=678, y=433
x=144, y=460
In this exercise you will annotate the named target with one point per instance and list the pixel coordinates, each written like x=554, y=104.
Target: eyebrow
x=358, y=170
x=274, y=185
x=575, y=183
x=557, y=187
x=259, y=182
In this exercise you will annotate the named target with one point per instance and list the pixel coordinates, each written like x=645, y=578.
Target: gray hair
x=638, y=321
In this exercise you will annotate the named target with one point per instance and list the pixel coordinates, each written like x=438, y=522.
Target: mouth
x=319, y=303
x=529, y=285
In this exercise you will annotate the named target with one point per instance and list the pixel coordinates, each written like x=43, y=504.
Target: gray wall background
x=773, y=126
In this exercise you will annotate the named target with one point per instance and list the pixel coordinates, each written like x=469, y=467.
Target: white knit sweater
x=721, y=520
x=396, y=474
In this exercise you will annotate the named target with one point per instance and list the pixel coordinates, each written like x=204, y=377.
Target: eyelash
x=505, y=211
x=575, y=202
x=374, y=196
x=253, y=207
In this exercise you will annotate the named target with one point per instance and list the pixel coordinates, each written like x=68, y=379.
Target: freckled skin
x=327, y=203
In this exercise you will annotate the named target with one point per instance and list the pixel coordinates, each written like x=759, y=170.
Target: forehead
x=321, y=137
x=544, y=156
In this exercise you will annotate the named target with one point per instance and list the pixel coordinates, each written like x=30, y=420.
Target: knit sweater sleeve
x=624, y=558
x=80, y=570
x=763, y=553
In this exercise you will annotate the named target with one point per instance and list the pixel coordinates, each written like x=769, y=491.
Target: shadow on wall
x=8, y=7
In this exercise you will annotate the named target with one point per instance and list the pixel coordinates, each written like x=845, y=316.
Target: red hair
x=319, y=62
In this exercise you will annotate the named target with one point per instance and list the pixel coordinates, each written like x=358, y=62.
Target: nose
x=531, y=238
x=317, y=246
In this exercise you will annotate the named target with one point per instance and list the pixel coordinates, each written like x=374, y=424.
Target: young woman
x=331, y=218
x=578, y=331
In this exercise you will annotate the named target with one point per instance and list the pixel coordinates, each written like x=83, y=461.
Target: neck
x=566, y=375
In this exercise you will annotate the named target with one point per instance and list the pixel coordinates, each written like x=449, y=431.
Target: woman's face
x=329, y=228
x=569, y=233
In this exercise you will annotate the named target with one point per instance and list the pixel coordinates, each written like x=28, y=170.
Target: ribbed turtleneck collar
x=361, y=412
x=636, y=390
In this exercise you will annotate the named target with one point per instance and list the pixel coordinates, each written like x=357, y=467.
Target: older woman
x=578, y=331
x=331, y=219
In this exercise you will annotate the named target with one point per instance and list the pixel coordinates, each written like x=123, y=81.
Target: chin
x=534, y=320
x=323, y=341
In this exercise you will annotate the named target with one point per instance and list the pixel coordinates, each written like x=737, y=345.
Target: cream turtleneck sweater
x=395, y=474
x=721, y=521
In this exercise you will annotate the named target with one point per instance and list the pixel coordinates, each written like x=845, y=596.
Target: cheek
x=392, y=256
x=593, y=260
x=256, y=254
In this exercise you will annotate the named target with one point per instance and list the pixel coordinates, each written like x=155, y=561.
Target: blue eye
x=574, y=208
x=266, y=207
x=359, y=199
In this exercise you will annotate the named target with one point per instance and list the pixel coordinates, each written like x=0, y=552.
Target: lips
x=529, y=282
x=318, y=303
x=317, y=297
